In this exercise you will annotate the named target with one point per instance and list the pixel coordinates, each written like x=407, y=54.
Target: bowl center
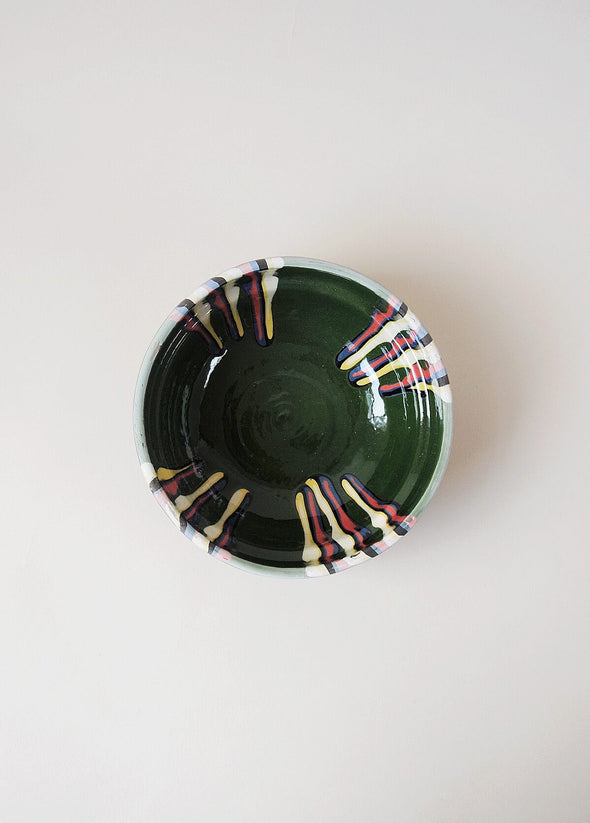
x=273, y=413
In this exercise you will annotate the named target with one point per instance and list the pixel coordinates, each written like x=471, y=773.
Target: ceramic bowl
x=293, y=417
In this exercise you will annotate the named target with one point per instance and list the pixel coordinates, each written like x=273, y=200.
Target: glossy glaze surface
x=293, y=417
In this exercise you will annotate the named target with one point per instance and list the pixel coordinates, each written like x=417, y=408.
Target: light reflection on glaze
x=376, y=406
x=214, y=362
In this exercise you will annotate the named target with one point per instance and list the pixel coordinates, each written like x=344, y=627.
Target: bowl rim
x=149, y=472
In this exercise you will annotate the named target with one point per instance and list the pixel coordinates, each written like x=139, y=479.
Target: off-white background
x=441, y=148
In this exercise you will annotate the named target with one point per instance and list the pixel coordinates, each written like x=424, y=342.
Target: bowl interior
x=295, y=416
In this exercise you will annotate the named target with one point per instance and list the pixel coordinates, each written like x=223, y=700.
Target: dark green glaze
x=271, y=417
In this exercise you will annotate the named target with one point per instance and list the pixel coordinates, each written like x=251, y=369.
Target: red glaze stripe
x=171, y=486
x=200, y=501
x=416, y=374
x=253, y=286
x=359, y=535
x=218, y=300
x=328, y=547
x=378, y=320
x=193, y=323
x=399, y=344
x=226, y=538
x=388, y=509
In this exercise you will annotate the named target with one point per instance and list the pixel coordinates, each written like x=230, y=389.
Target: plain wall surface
x=440, y=148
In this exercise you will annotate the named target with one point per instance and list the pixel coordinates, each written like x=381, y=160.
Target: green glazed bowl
x=293, y=417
